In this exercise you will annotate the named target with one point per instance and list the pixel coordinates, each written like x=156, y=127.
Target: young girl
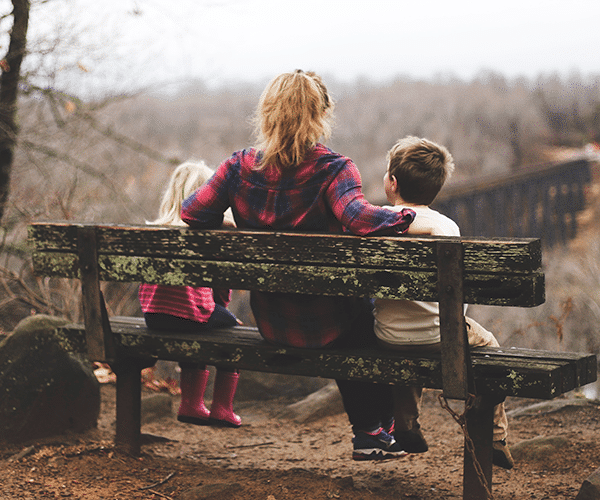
x=190, y=309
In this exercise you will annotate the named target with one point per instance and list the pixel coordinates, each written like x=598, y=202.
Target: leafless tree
x=9, y=84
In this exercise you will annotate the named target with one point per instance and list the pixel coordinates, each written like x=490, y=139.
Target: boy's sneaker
x=378, y=445
x=390, y=427
x=412, y=441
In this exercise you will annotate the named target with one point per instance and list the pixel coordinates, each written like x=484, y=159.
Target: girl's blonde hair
x=186, y=179
x=293, y=113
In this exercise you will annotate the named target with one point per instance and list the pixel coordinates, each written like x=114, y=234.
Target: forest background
x=106, y=157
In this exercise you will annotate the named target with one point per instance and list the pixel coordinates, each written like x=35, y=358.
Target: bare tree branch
x=86, y=112
x=26, y=294
x=85, y=168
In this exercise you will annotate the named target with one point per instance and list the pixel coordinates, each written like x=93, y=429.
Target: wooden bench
x=501, y=272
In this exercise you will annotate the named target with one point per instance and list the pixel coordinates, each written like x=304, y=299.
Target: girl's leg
x=221, y=410
x=192, y=409
x=221, y=318
x=161, y=321
x=194, y=378
x=226, y=381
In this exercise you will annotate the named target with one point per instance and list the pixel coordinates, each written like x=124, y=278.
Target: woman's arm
x=358, y=215
x=204, y=209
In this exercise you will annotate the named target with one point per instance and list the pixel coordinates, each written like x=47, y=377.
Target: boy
x=417, y=169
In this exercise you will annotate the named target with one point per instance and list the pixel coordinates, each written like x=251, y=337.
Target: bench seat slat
x=585, y=365
x=495, y=372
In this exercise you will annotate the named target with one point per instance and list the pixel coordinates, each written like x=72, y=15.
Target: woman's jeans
x=369, y=405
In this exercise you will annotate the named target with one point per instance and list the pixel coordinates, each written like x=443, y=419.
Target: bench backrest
x=499, y=271
x=451, y=271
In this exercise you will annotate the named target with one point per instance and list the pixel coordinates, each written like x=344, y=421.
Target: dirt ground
x=270, y=458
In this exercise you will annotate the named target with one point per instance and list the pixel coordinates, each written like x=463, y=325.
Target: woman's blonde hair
x=294, y=112
x=186, y=179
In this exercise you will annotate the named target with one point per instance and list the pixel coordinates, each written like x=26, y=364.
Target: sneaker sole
x=414, y=449
x=376, y=454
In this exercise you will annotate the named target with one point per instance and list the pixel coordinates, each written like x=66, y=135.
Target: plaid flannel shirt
x=323, y=194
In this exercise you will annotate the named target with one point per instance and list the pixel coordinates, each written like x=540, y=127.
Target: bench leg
x=479, y=427
x=129, y=404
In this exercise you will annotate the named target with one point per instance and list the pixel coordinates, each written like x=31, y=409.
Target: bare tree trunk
x=9, y=82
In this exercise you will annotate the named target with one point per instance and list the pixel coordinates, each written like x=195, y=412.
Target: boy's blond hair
x=294, y=112
x=421, y=167
x=185, y=179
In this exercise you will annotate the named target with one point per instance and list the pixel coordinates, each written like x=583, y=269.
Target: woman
x=290, y=181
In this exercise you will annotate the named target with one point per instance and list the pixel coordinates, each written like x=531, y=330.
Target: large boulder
x=259, y=386
x=590, y=489
x=44, y=390
x=322, y=403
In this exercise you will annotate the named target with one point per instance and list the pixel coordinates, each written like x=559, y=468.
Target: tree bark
x=9, y=84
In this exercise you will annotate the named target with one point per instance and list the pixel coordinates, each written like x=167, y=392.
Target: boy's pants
x=407, y=400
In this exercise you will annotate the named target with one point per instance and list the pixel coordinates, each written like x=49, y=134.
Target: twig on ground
x=160, y=494
x=250, y=445
x=23, y=453
x=159, y=483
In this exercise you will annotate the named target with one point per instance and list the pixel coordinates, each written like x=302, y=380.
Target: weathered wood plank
x=99, y=336
x=490, y=289
x=456, y=361
x=585, y=366
x=495, y=371
x=498, y=255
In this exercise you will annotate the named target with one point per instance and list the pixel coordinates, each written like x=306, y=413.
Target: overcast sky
x=252, y=40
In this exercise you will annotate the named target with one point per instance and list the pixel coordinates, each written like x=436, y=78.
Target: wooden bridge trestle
x=541, y=203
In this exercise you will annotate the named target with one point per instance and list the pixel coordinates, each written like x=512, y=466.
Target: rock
x=258, y=386
x=44, y=390
x=156, y=406
x=211, y=491
x=590, y=489
x=546, y=407
x=322, y=403
x=539, y=449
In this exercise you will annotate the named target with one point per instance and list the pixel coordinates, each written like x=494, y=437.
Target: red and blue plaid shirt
x=323, y=194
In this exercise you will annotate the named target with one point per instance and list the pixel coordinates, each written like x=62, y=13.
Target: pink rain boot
x=192, y=409
x=221, y=411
